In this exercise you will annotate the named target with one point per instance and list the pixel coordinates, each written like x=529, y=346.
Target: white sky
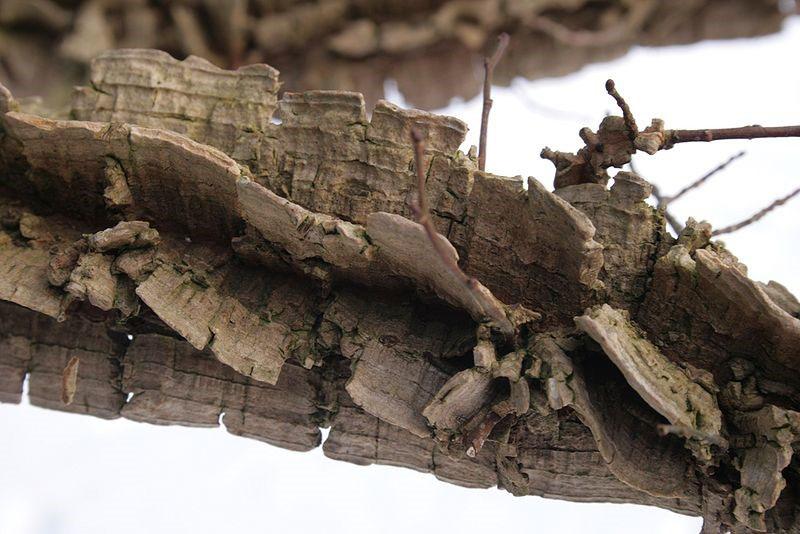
x=68, y=474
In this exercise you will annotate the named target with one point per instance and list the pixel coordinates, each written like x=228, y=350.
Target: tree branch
x=742, y=132
x=756, y=216
x=423, y=216
x=489, y=64
x=630, y=122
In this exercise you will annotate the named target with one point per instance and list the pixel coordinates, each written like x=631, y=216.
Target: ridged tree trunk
x=174, y=255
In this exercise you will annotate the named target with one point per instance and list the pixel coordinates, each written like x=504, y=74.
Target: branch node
x=630, y=122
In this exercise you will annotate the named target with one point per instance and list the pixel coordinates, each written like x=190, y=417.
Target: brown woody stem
x=630, y=122
x=742, y=132
x=489, y=64
x=423, y=214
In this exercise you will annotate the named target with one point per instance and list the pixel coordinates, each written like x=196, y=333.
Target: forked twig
x=756, y=216
x=489, y=64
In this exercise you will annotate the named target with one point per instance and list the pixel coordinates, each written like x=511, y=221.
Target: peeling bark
x=269, y=277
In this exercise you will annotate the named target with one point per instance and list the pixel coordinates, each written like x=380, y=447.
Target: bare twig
x=422, y=213
x=742, y=132
x=756, y=216
x=630, y=122
x=700, y=181
x=489, y=64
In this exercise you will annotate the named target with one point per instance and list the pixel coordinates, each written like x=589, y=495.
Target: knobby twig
x=489, y=64
x=742, y=132
x=672, y=137
x=422, y=213
x=630, y=122
x=756, y=216
x=700, y=181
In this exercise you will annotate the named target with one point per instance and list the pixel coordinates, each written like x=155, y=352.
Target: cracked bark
x=271, y=280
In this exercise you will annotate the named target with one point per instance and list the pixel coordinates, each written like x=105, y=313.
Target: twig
x=756, y=216
x=700, y=181
x=742, y=132
x=422, y=213
x=608, y=36
x=627, y=115
x=489, y=64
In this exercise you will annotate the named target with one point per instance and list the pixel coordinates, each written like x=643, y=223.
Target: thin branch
x=489, y=64
x=742, y=132
x=627, y=115
x=700, y=181
x=423, y=216
x=757, y=216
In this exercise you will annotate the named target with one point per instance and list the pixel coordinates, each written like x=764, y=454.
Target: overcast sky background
x=69, y=474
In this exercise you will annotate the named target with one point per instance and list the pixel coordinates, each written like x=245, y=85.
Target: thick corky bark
x=176, y=256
